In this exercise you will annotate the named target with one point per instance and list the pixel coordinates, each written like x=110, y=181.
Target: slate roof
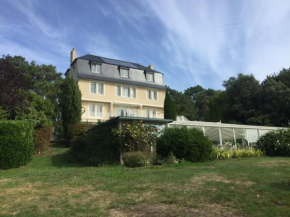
x=99, y=59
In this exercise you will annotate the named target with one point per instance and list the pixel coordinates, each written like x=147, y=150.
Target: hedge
x=97, y=146
x=41, y=139
x=16, y=143
x=184, y=143
x=275, y=143
x=76, y=129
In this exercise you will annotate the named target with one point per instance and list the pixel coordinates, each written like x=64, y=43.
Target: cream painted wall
x=110, y=96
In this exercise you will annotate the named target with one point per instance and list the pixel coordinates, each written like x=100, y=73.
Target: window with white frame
x=97, y=88
x=96, y=68
x=133, y=92
x=118, y=90
x=152, y=94
x=149, y=77
x=151, y=113
x=127, y=112
x=95, y=110
x=124, y=73
x=126, y=91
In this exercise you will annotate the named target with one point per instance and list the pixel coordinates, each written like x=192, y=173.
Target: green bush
x=186, y=143
x=97, y=146
x=134, y=159
x=16, y=146
x=76, y=129
x=41, y=139
x=222, y=154
x=78, y=148
x=275, y=143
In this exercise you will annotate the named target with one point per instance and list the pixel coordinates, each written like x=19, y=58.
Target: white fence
x=228, y=135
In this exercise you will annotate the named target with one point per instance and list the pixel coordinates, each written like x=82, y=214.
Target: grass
x=51, y=186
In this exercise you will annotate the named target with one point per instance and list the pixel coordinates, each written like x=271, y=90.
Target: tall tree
x=13, y=84
x=276, y=99
x=243, y=96
x=169, y=107
x=200, y=98
x=184, y=106
x=70, y=102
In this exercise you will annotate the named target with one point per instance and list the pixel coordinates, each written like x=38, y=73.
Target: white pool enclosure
x=227, y=135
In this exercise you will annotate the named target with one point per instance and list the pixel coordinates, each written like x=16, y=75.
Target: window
x=96, y=68
x=97, y=88
x=126, y=91
x=99, y=110
x=149, y=94
x=151, y=113
x=92, y=110
x=118, y=90
x=149, y=77
x=93, y=87
x=125, y=73
x=95, y=110
x=100, y=88
x=155, y=95
x=127, y=112
x=133, y=92
x=152, y=94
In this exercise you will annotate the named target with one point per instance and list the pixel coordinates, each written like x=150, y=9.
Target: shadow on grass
x=284, y=185
x=63, y=159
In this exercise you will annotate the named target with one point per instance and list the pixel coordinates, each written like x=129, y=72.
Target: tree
x=200, y=98
x=70, y=103
x=243, y=97
x=169, y=107
x=276, y=99
x=13, y=84
x=183, y=104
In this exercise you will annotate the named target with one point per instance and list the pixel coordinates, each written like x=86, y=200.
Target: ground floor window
x=127, y=112
x=150, y=113
x=95, y=110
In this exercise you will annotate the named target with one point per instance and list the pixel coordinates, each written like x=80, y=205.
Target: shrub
x=135, y=136
x=190, y=144
x=170, y=159
x=222, y=154
x=275, y=143
x=16, y=146
x=41, y=139
x=96, y=146
x=78, y=148
x=134, y=159
x=76, y=129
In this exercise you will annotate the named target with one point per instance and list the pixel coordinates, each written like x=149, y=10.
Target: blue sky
x=192, y=42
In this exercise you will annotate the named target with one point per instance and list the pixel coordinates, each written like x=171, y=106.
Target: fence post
x=247, y=138
x=220, y=137
x=235, y=138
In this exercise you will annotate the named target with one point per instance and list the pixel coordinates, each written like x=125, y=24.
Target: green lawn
x=51, y=186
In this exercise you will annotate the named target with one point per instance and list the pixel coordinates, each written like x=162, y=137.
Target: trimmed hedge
x=41, y=139
x=275, y=143
x=16, y=143
x=97, y=146
x=77, y=129
x=185, y=143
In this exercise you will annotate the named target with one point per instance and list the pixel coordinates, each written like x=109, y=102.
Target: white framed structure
x=228, y=135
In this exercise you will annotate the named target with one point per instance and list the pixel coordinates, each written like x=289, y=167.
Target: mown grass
x=51, y=186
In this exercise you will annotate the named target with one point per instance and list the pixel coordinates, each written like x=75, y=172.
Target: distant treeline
x=244, y=101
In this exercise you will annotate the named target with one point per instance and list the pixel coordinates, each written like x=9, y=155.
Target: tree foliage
x=169, y=107
x=70, y=102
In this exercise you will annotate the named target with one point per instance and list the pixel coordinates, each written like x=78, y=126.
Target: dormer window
x=96, y=68
x=149, y=77
x=124, y=73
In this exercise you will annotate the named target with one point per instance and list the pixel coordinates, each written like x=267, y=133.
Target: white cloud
x=213, y=40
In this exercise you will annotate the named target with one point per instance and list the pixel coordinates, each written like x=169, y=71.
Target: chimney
x=73, y=55
x=150, y=67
